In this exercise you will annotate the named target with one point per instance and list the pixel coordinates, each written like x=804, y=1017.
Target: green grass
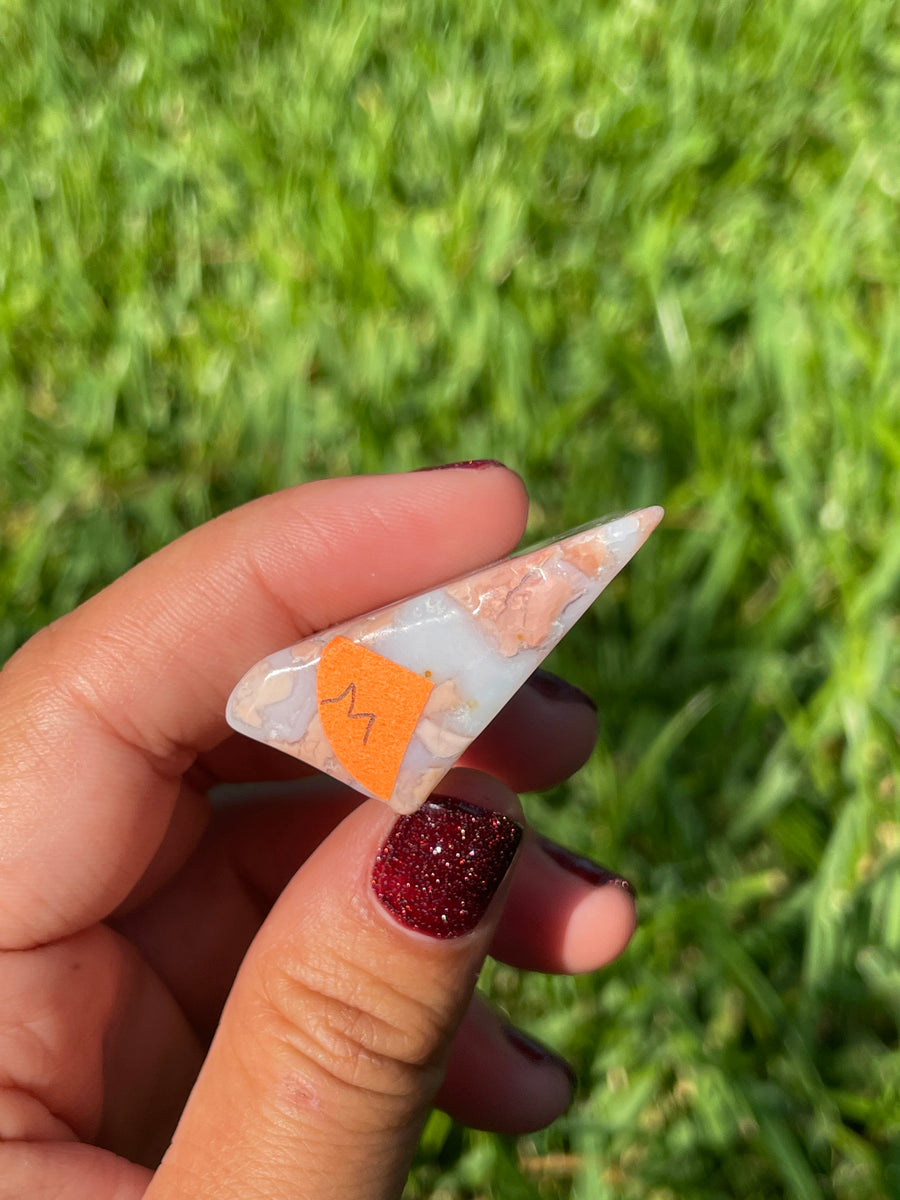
x=641, y=251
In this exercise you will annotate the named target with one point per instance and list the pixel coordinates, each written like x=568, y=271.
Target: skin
x=205, y=999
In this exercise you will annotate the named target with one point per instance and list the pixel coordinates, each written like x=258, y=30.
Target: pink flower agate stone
x=387, y=702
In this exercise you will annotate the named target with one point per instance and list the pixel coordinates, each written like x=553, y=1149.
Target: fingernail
x=441, y=865
x=551, y=687
x=584, y=868
x=536, y=1052
x=471, y=464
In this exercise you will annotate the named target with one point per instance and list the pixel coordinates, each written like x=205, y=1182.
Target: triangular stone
x=387, y=702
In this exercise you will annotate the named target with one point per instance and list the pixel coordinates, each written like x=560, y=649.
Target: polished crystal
x=387, y=702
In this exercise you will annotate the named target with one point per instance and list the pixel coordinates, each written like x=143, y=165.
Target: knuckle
x=354, y=1029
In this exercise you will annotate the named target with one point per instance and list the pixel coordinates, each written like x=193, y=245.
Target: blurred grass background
x=642, y=252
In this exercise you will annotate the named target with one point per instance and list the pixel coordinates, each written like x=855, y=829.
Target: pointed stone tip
x=602, y=548
x=625, y=535
x=651, y=517
x=644, y=520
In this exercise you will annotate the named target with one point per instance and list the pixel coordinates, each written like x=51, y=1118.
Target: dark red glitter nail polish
x=584, y=868
x=440, y=866
x=550, y=686
x=471, y=464
x=535, y=1051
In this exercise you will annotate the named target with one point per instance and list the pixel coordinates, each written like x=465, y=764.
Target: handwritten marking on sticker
x=369, y=708
x=369, y=718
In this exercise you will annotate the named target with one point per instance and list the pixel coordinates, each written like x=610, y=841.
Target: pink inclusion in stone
x=441, y=865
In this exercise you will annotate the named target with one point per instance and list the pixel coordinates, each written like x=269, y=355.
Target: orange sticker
x=369, y=707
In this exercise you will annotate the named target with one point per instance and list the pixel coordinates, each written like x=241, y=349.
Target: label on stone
x=369, y=707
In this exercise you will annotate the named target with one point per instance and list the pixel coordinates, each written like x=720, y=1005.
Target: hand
x=230, y=968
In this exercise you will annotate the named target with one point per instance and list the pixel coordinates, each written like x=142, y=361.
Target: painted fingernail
x=536, y=1052
x=584, y=868
x=441, y=865
x=551, y=687
x=471, y=464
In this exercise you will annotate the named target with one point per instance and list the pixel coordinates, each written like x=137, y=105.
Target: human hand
x=231, y=969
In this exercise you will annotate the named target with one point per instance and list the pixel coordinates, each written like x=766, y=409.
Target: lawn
x=642, y=252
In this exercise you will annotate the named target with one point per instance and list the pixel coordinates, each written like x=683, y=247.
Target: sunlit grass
x=642, y=252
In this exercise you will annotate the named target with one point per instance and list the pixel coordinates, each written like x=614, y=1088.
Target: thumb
x=333, y=1041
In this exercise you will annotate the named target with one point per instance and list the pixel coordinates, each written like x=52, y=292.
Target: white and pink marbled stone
x=387, y=702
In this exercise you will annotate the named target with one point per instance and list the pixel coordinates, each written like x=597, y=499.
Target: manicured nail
x=440, y=866
x=551, y=687
x=584, y=868
x=537, y=1052
x=388, y=701
x=470, y=464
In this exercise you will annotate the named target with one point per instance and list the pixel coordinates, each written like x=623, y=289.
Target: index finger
x=105, y=709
